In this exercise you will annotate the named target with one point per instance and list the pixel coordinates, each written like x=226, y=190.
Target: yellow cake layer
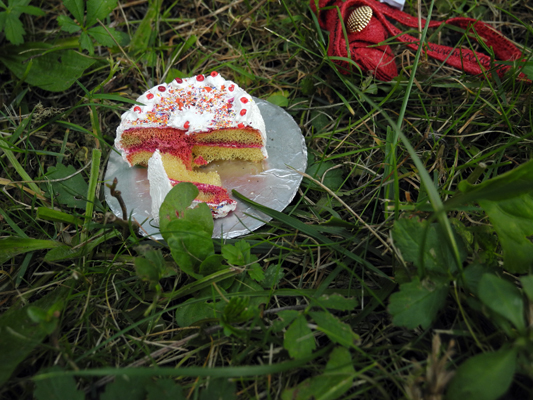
x=177, y=170
x=211, y=153
x=233, y=135
x=140, y=158
x=205, y=196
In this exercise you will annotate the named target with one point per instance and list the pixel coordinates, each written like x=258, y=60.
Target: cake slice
x=210, y=190
x=189, y=123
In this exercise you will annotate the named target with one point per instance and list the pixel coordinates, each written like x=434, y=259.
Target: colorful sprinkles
x=200, y=98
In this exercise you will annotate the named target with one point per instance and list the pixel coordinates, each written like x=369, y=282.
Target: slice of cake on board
x=189, y=123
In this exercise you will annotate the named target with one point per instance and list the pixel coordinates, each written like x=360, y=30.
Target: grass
x=381, y=195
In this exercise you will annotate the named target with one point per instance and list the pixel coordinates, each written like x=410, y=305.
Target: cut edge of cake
x=161, y=184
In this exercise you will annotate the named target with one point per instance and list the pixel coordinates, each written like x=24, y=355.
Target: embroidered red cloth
x=379, y=60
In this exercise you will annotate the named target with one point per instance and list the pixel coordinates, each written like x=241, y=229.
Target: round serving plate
x=272, y=183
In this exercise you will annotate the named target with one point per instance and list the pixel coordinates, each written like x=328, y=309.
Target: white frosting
x=160, y=186
x=208, y=104
x=159, y=183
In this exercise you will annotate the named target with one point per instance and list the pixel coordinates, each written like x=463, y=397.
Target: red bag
x=379, y=60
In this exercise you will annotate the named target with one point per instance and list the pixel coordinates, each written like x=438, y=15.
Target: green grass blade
x=19, y=168
x=309, y=230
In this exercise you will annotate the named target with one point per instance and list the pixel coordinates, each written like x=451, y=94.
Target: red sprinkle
x=178, y=80
x=214, y=73
x=243, y=111
x=161, y=88
x=137, y=109
x=200, y=78
x=149, y=96
x=186, y=125
x=244, y=100
x=231, y=88
x=241, y=125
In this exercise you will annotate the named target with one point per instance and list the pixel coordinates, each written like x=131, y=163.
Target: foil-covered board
x=272, y=183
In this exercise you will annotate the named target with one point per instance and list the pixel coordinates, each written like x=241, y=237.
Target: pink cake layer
x=167, y=148
x=220, y=195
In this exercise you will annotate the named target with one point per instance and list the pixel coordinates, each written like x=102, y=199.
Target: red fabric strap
x=380, y=59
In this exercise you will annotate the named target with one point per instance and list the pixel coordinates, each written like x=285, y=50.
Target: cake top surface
x=200, y=103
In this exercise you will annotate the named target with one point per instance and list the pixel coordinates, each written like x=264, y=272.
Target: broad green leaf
x=54, y=71
x=484, y=376
x=70, y=192
x=14, y=29
x=255, y=272
x=19, y=335
x=189, y=245
x=512, y=222
x=527, y=285
x=11, y=247
x=220, y=389
x=307, y=85
x=100, y=34
x=299, y=340
x=174, y=73
x=86, y=43
x=236, y=311
x=506, y=186
x=57, y=388
x=200, y=215
x=192, y=311
x=233, y=254
x=244, y=283
x=151, y=267
x=472, y=275
x=31, y=10
x=125, y=387
x=98, y=10
x=508, y=201
x=278, y=99
x=408, y=236
x=284, y=319
x=528, y=70
x=337, y=302
x=67, y=24
x=319, y=120
x=212, y=264
x=337, y=331
x=503, y=298
x=164, y=389
x=176, y=201
x=237, y=254
x=76, y=8
x=273, y=275
x=333, y=383
x=331, y=178
x=46, y=318
x=417, y=303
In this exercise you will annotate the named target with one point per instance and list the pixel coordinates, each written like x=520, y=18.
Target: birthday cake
x=185, y=125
